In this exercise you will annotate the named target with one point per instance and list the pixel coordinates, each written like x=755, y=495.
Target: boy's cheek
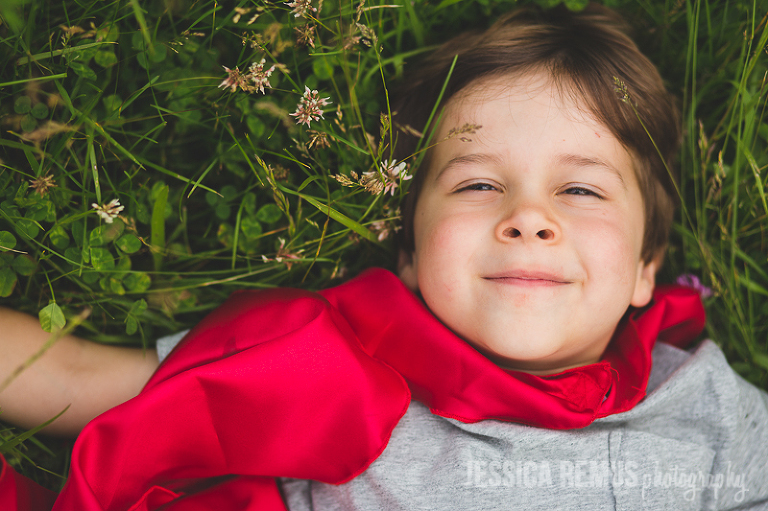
x=613, y=237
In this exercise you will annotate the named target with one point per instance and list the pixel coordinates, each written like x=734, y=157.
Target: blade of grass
x=138, y=93
x=755, y=171
x=94, y=167
x=38, y=79
x=6, y=446
x=341, y=218
x=172, y=174
x=157, y=227
x=56, y=53
x=197, y=181
x=236, y=233
x=139, y=14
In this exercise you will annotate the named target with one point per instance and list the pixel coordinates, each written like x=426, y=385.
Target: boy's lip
x=528, y=278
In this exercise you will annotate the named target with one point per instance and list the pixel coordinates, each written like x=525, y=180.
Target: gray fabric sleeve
x=167, y=343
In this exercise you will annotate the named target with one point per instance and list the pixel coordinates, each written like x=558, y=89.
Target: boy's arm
x=89, y=377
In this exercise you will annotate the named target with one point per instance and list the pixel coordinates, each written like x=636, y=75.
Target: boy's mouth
x=528, y=278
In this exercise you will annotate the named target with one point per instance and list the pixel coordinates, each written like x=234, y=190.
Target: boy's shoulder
x=699, y=380
x=699, y=440
x=704, y=412
x=699, y=388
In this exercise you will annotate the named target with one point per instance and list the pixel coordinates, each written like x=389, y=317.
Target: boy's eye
x=477, y=187
x=580, y=190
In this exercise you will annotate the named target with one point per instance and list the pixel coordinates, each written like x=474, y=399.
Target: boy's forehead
x=488, y=107
x=539, y=86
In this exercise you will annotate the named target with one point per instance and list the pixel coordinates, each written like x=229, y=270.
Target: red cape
x=289, y=383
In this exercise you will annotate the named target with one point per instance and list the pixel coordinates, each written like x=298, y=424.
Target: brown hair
x=585, y=53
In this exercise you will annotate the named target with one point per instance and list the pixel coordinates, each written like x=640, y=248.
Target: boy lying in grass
x=514, y=362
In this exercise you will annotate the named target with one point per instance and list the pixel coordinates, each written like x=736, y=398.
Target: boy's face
x=528, y=237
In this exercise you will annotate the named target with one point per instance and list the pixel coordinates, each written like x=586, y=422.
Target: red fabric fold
x=310, y=385
x=454, y=380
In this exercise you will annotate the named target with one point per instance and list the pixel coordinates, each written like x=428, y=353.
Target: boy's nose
x=528, y=222
x=544, y=234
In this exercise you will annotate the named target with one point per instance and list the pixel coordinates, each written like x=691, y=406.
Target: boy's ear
x=406, y=270
x=645, y=282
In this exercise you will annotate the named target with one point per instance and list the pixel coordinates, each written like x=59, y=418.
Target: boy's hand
x=89, y=377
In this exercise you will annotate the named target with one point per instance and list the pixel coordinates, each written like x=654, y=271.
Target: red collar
x=456, y=381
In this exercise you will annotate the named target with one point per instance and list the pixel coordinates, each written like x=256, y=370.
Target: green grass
x=223, y=190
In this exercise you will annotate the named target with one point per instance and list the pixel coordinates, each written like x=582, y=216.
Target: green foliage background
x=222, y=189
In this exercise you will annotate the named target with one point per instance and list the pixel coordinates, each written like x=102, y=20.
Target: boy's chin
x=540, y=363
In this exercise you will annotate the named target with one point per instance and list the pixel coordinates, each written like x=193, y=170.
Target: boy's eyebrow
x=576, y=160
x=469, y=159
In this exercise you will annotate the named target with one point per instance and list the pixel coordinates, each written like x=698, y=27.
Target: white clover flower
x=301, y=8
x=309, y=107
x=381, y=228
x=259, y=76
x=393, y=173
x=233, y=80
x=108, y=212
